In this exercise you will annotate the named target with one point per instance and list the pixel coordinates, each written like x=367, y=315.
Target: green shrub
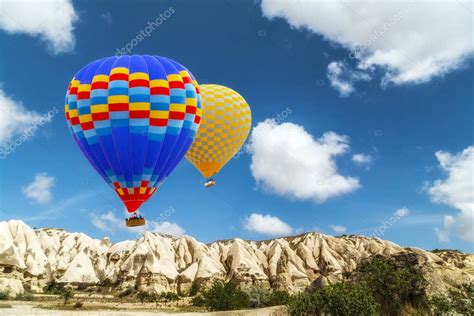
x=78, y=305
x=223, y=296
x=194, y=289
x=67, y=294
x=198, y=301
x=394, y=287
x=458, y=301
x=258, y=296
x=143, y=296
x=277, y=298
x=168, y=296
x=339, y=299
x=127, y=292
x=4, y=295
x=26, y=296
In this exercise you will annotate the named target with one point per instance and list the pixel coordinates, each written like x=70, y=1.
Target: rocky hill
x=32, y=259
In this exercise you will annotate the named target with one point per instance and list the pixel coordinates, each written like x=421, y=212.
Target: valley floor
x=19, y=308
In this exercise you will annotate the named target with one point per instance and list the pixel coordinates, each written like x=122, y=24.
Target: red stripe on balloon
x=176, y=115
x=160, y=90
x=100, y=85
x=100, y=116
x=140, y=114
x=119, y=77
x=176, y=85
x=118, y=107
x=87, y=126
x=138, y=83
x=191, y=109
x=158, y=122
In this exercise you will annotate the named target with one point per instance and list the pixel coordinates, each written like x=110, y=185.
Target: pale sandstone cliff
x=33, y=258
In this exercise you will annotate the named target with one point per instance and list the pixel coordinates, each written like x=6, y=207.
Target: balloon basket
x=133, y=222
x=210, y=183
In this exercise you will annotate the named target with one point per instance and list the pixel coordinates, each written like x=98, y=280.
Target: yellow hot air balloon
x=225, y=125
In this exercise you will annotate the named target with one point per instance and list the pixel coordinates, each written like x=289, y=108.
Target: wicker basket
x=133, y=222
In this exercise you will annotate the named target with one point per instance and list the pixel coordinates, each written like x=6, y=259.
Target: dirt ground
x=106, y=308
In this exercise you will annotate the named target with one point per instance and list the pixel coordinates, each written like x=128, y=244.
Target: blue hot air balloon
x=134, y=118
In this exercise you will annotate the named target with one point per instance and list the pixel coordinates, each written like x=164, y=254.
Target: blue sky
x=397, y=116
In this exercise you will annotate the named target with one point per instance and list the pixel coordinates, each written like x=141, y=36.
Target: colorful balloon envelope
x=225, y=125
x=134, y=118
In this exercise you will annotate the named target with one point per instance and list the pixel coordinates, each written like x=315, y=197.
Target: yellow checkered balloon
x=225, y=125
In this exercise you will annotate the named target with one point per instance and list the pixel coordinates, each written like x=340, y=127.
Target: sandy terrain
x=31, y=308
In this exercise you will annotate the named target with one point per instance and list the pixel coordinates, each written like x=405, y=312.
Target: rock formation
x=32, y=259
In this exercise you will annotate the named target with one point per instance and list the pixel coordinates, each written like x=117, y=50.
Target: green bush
x=198, y=301
x=460, y=302
x=168, y=296
x=277, y=298
x=394, y=287
x=26, y=296
x=67, y=294
x=4, y=295
x=194, y=289
x=339, y=299
x=127, y=292
x=78, y=305
x=258, y=296
x=143, y=296
x=223, y=296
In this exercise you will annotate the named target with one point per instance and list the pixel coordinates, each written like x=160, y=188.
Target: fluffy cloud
x=457, y=191
x=167, y=228
x=52, y=21
x=288, y=161
x=404, y=39
x=107, y=221
x=362, y=159
x=40, y=189
x=444, y=233
x=338, y=229
x=342, y=78
x=267, y=225
x=15, y=118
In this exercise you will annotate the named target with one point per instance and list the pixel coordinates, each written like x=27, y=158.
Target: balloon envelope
x=134, y=118
x=225, y=125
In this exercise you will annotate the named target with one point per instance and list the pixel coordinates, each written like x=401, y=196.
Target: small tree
x=67, y=295
x=224, y=296
x=339, y=299
x=143, y=296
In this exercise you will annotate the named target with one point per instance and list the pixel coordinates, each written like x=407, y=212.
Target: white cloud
x=288, y=161
x=16, y=119
x=338, y=229
x=448, y=225
x=52, y=21
x=404, y=39
x=167, y=228
x=362, y=159
x=402, y=212
x=110, y=222
x=106, y=221
x=342, y=78
x=457, y=191
x=267, y=225
x=40, y=189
